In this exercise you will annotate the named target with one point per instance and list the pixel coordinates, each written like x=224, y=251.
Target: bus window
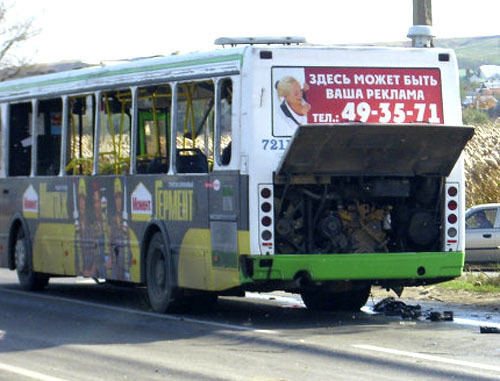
x=49, y=127
x=20, y=139
x=224, y=101
x=81, y=127
x=153, y=132
x=195, y=127
x=114, y=139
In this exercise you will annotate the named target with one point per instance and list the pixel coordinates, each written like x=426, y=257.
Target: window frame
x=218, y=130
x=99, y=125
x=135, y=127
x=66, y=134
x=484, y=211
x=4, y=154
x=175, y=97
x=9, y=127
x=35, y=128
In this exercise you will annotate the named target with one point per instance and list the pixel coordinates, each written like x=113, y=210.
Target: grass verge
x=478, y=281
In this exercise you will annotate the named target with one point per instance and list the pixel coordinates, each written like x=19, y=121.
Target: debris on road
x=391, y=307
x=438, y=316
x=486, y=329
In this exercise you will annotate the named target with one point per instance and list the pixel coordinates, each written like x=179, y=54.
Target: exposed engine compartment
x=359, y=215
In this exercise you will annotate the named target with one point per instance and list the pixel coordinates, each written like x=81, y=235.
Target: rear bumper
x=410, y=268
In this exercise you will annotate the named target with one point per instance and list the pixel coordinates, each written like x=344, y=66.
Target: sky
x=103, y=30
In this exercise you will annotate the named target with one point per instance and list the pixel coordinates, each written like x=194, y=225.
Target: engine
x=356, y=215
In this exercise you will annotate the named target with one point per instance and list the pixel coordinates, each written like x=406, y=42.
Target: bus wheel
x=327, y=300
x=158, y=277
x=28, y=279
x=355, y=299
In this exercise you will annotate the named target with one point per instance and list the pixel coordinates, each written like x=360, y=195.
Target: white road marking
x=28, y=373
x=476, y=323
x=144, y=313
x=422, y=356
x=289, y=300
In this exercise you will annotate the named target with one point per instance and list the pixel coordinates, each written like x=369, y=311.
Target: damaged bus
x=317, y=170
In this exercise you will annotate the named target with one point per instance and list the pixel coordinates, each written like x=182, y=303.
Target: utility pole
x=422, y=12
x=421, y=32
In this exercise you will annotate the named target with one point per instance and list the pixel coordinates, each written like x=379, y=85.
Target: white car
x=482, y=234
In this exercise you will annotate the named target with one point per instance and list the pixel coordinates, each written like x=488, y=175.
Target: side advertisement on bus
x=93, y=226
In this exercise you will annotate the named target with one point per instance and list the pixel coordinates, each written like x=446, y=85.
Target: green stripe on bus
x=358, y=266
x=112, y=73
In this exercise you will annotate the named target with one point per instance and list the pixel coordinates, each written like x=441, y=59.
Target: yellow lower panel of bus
x=196, y=269
x=53, y=249
x=54, y=253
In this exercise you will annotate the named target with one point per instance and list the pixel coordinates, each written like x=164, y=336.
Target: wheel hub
x=159, y=274
x=20, y=255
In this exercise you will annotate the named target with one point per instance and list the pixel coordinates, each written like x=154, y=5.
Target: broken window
x=20, y=139
x=81, y=128
x=114, y=136
x=153, y=133
x=48, y=136
x=195, y=127
x=225, y=101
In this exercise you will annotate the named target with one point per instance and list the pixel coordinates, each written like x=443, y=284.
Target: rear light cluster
x=451, y=213
x=266, y=215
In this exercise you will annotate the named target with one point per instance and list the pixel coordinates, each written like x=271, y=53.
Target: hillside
x=473, y=52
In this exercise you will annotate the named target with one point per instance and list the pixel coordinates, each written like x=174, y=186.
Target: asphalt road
x=78, y=330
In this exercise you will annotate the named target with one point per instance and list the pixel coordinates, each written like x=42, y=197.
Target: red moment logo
x=141, y=203
x=30, y=203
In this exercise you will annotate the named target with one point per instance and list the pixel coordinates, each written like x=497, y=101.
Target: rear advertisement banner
x=319, y=95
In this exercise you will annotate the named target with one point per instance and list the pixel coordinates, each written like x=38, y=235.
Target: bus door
x=224, y=205
x=194, y=130
x=203, y=154
x=224, y=194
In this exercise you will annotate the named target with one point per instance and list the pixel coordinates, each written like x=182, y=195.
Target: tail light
x=451, y=215
x=266, y=219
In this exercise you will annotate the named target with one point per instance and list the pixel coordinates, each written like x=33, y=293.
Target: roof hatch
x=233, y=41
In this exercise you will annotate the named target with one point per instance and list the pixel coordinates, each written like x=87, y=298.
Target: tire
x=320, y=299
x=355, y=299
x=28, y=279
x=160, y=289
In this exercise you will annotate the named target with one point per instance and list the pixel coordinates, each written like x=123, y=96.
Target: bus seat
x=191, y=160
x=48, y=154
x=154, y=165
x=158, y=165
x=226, y=155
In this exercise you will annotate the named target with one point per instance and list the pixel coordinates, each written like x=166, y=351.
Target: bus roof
x=220, y=62
x=168, y=68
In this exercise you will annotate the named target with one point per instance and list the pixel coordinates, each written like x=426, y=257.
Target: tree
x=472, y=116
x=12, y=35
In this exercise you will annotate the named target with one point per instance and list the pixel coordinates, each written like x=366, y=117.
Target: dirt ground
x=442, y=294
x=438, y=293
